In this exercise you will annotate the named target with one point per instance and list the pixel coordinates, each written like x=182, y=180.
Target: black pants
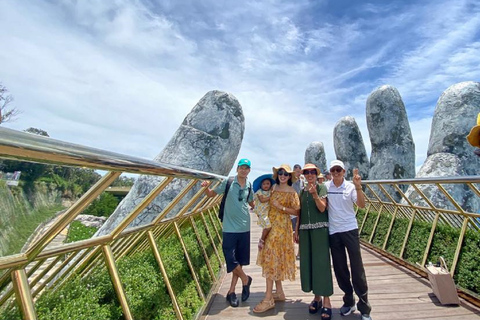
x=340, y=243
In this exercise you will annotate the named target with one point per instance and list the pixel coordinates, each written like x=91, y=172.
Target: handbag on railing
x=442, y=283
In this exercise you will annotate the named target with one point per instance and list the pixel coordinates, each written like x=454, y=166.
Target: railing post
x=23, y=294
x=117, y=283
x=190, y=265
x=207, y=230
x=202, y=246
x=156, y=253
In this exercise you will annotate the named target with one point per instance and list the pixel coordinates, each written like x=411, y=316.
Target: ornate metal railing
x=21, y=280
x=25, y=276
x=416, y=211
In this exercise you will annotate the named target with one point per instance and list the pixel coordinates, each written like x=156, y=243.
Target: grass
x=78, y=231
x=25, y=225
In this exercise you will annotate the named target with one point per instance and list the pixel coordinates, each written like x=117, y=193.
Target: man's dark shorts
x=236, y=249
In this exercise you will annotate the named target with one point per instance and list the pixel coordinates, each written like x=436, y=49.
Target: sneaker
x=366, y=317
x=346, y=310
x=232, y=299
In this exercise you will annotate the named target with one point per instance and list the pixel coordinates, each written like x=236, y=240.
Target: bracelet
x=358, y=188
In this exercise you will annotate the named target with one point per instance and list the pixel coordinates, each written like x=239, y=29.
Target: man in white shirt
x=344, y=237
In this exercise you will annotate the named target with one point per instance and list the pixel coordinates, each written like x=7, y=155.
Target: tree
x=123, y=181
x=6, y=113
x=36, y=131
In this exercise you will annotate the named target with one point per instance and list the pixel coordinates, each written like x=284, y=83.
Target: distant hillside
x=20, y=215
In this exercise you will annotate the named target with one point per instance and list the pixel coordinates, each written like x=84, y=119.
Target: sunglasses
x=283, y=173
x=336, y=169
x=240, y=194
x=305, y=172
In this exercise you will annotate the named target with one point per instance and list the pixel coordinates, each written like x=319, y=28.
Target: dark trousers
x=340, y=243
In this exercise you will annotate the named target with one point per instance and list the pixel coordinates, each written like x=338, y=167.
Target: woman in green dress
x=312, y=236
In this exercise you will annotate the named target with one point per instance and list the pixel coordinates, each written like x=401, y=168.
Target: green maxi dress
x=315, y=268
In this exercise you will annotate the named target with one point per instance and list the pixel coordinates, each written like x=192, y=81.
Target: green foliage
x=10, y=314
x=417, y=241
x=24, y=225
x=72, y=181
x=177, y=268
x=36, y=131
x=78, y=231
x=397, y=236
x=206, y=241
x=145, y=289
x=444, y=244
x=94, y=297
x=123, y=181
x=79, y=299
x=103, y=206
x=196, y=257
x=468, y=270
x=368, y=226
x=382, y=229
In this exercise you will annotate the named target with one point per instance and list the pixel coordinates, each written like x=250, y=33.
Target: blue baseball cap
x=244, y=162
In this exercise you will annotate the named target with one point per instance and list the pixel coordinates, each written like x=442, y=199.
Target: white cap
x=337, y=163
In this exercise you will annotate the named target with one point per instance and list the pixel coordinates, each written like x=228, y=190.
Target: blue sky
x=122, y=75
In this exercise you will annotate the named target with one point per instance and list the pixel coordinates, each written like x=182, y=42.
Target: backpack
x=224, y=198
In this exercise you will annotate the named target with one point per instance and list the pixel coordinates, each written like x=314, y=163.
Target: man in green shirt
x=236, y=228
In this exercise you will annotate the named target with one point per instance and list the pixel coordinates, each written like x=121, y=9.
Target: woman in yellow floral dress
x=277, y=258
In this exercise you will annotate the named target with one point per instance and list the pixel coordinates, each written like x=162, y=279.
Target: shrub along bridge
x=172, y=268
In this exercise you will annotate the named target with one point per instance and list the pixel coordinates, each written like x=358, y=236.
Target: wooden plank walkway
x=394, y=293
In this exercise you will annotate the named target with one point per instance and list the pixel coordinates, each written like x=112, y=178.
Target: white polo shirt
x=341, y=216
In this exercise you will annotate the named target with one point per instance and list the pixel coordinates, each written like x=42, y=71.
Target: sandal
x=326, y=313
x=279, y=296
x=314, y=306
x=264, y=305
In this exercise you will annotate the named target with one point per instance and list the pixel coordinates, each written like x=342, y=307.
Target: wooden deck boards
x=394, y=293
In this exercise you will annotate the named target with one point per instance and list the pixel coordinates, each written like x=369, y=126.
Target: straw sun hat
x=285, y=167
x=310, y=166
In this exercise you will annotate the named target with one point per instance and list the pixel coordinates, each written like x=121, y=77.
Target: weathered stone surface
x=349, y=147
x=209, y=139
x=315, y=154
x=393, y=149
x=444, y=165
x=449, y=153
x=91, y=221
x=455, y=114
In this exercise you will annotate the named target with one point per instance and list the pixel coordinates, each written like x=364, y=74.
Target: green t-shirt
x=236, y=216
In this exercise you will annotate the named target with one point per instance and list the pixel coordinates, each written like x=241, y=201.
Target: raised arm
x=357, y=181
x=209, y=192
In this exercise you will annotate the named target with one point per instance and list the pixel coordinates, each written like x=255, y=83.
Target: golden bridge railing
x=21, y=280
x=24, y=276
x=432, y=202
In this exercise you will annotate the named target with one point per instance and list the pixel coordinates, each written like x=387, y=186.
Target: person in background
x=344, y=238
x=327, y=175
x=236, y=228
x=298, y=186
x=277, y=258
x=320, y=178
x=312, y=236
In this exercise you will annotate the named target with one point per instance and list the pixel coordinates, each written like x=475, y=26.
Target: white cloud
x=122, y=75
